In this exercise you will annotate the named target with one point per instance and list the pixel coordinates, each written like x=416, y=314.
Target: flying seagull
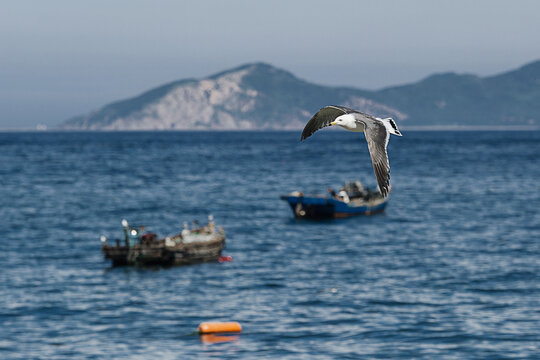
x=376, y=130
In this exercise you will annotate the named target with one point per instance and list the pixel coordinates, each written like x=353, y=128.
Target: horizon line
x=404, y=128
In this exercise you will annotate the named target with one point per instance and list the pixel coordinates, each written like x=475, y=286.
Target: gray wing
x=323, y=118
x=377, y=139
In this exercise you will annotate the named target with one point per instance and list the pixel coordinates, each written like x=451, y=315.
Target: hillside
x=511, y=98
x=260, y=96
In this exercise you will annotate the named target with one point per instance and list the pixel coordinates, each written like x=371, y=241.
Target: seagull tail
x=390, y=124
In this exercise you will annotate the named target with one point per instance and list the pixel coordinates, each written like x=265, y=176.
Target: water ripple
x=451, y=270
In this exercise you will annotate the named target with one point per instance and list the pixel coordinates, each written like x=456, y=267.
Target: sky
x=62, y=58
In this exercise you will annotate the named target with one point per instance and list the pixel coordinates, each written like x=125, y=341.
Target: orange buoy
x=219, y=327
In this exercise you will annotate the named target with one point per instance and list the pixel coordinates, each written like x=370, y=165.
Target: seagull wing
x=377, y=139
x=323, y=118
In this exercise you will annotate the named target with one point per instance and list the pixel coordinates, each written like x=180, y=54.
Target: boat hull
x=319, y=207
x=163, y=255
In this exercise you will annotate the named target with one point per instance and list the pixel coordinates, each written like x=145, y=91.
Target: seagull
x=376, y=130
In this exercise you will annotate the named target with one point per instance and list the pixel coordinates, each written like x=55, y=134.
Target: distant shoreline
x=404, y=128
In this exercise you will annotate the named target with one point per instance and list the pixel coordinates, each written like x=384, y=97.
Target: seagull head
x=346, y=121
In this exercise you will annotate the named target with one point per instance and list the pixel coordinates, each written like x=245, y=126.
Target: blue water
x=450, y=271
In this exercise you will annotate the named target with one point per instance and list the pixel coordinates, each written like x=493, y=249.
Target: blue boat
x=351, y=200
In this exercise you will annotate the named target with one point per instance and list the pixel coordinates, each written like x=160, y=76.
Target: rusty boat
x=140, y=248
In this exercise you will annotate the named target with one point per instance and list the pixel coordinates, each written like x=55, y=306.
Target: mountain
x=260, y=96
x=511, y=98
x=253, y=96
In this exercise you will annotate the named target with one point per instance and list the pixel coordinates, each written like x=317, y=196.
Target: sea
x=451, y=270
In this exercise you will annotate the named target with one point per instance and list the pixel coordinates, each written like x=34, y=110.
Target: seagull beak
x=333, y=123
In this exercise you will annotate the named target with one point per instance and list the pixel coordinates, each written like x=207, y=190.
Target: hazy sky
x=60, y=58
